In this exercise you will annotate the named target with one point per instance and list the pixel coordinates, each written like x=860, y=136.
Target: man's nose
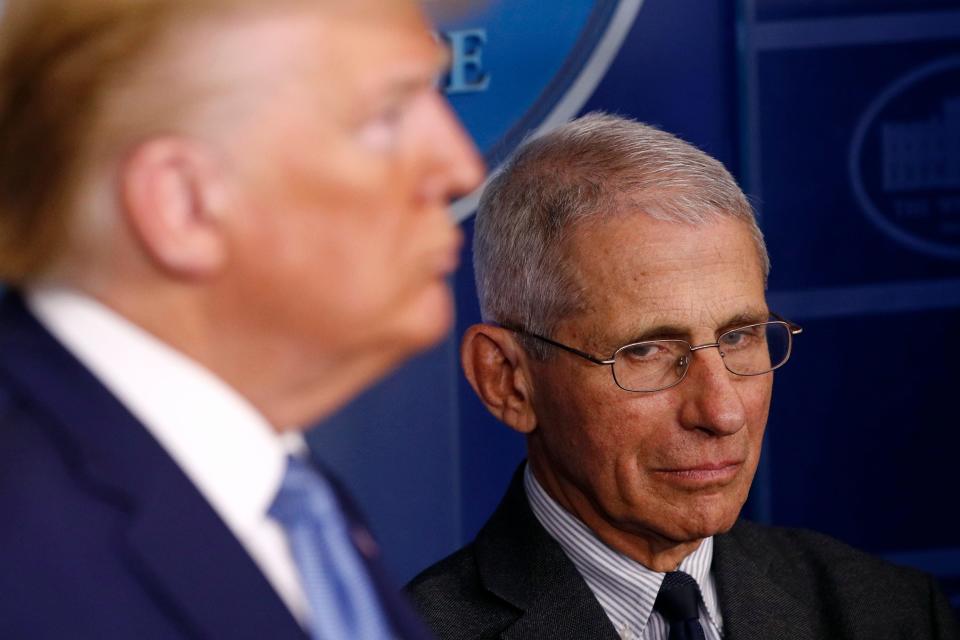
x=457, y=166
x=711, y=401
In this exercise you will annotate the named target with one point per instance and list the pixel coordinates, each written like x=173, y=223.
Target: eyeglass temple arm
x=795, y=329
x=576, y=352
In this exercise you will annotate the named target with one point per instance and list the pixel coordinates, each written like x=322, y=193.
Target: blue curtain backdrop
x=841, y=118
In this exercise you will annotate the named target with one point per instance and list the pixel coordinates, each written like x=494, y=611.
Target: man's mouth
x=702, y=474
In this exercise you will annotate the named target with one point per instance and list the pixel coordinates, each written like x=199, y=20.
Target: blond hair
x=60, y=61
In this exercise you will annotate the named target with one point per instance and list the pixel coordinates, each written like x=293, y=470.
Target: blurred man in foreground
x=219, y=221
x=622, y=277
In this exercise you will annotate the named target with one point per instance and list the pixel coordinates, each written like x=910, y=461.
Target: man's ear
x=171, y=195
x=493, y=362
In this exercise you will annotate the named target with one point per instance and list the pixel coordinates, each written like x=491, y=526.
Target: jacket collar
x=173, y=541
x=520, y=563
x=754, y=603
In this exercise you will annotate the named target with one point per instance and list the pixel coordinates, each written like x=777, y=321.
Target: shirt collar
x=222, y=443
x=624, y=588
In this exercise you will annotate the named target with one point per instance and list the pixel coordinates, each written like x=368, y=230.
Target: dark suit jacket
x=514, y=581
x=102, y=535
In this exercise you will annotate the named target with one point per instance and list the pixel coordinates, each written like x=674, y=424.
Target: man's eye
x=391, y=115
x=739, y=338
x=643, y=352
x=380, y=131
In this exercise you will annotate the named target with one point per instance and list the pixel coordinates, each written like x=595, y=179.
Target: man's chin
x=704, y=525
x=709, y=511
x=702, y=519
x=434, y=316
x=430, y=319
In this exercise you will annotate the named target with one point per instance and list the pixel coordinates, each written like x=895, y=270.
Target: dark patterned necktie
x=679, y=602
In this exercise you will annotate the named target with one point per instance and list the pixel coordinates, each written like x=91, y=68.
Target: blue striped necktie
x=343, y=602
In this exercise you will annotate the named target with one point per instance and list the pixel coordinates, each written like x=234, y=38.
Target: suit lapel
x=188, y=559
x=754, y=604
x=520, y=563
x=566, y=610
x=173, y=541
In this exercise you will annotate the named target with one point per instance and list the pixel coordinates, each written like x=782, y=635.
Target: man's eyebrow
x=660, y=332
x=407, y=86
x=678, y=332
x=744, y=318
x=399, y=91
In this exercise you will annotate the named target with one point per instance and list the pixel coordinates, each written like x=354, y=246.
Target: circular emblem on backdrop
x=905, y=159
x=526, y=66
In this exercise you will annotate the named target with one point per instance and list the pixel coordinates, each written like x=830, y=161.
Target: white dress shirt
x=220, y=441
x=624, y=588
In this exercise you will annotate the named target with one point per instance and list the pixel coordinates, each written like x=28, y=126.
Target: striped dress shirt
x=624, y=588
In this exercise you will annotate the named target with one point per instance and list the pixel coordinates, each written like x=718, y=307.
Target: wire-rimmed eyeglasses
x=655, y=365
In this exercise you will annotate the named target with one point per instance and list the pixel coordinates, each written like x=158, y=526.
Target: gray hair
x=597, y=165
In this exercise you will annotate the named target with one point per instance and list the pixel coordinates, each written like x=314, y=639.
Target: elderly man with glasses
x=622, y=278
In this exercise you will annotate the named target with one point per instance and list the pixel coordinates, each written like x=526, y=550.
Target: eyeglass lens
x=658, y=364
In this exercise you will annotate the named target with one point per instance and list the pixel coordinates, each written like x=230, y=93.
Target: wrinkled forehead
x=343, y=23
x=636, y=276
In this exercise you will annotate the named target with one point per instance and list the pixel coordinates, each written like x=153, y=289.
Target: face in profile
x=673, y=465
x=345, y=238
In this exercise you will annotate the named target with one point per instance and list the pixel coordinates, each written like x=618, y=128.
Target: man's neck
x=290, y=387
